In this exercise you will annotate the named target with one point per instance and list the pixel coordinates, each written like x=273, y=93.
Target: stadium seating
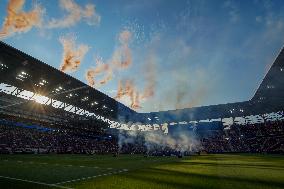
x=19, y=137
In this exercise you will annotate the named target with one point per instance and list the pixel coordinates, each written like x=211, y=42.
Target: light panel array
x=22, y=76
x=3, y=66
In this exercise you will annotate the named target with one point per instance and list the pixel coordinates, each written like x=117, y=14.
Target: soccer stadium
x=58, y=130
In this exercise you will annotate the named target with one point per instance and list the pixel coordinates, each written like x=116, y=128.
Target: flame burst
x=19, y=21
x=72, y=56
x=136, y=102
x=127, y=92
x=75, y=14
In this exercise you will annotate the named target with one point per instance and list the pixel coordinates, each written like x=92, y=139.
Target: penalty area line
x=35, y=182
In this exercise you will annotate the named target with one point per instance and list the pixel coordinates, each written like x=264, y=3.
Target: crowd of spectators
x=27, y=140
x=255, y=138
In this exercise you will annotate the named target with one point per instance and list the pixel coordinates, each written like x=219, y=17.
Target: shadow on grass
x=176, y=179
x=8, y=184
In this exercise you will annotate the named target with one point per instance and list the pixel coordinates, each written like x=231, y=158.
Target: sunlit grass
x=206, y=171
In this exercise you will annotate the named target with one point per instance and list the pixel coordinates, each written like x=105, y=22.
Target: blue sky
x=203, y=52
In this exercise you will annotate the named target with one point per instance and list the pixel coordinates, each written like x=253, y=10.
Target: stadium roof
x=271, y=90
x=27, y=73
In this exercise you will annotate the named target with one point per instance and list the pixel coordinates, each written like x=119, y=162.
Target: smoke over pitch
x=75, y=14
x=72, y=55
x=153, y=141
x=182, y=142
x=18, y=21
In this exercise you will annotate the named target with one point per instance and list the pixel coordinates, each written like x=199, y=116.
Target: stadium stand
x=254, y=138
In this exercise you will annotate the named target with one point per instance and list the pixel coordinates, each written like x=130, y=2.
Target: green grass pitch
x=135, y=171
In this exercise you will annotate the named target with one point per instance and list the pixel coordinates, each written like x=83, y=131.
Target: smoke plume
x=181, y=142
x=155, y=141
x=72, y=55
x=128, y=93
x=136, y=101
x=100, y=68
x=121, y=59
x=90, y=74
x=75, y=13
x=18, y=21
x=125, y=88
x=202, y=85
x=130, y=90
x=150, y=78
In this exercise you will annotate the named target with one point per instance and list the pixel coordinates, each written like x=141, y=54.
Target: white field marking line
x=35, y=182
x=90, y=177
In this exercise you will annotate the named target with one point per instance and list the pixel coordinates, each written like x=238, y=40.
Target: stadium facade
x=63, y=99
